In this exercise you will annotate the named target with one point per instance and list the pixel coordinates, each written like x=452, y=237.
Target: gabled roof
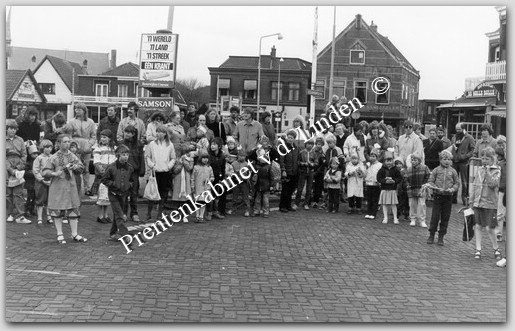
x=65, y=70
x=13, y=80
x=251, y=62
x=128, y=69
x=384, y=41
x=21, y=58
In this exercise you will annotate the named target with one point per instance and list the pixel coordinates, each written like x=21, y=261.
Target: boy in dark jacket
x=30, y=181
x=261, y=193
x=137, y=161
x=319, y=173
x=308, y=161
x=118, y=179
x=290, y=172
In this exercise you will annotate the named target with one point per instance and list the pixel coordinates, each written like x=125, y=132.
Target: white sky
x=446, y=44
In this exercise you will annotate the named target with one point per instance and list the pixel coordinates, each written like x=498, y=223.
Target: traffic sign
x=158, y=58
x=315, y=93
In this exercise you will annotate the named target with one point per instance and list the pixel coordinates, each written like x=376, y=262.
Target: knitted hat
x=33, y=149
x=107, y=133
x=398, y=160
x=74, y=142
x=375, y=152
x=416, y=155
x=230, y=139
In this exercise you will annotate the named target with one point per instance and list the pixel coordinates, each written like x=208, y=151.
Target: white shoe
x=396, y=222
x=185, y=220
x=501, y=263
x=423, y=224
x=65, y=221
x=372, y=217
x=306, y=207
x=385, y=221
x=23, y=220
x=10, y=218
x=294, y=207
x=367, y=216
x=413, y=223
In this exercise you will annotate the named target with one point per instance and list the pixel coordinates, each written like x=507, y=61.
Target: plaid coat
x=416, y=177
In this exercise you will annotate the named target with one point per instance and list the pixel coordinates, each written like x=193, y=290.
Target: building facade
x=361, y=55
x=21, y=90
x=238, y=77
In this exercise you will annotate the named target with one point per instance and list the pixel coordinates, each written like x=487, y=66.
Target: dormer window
x=357, y=54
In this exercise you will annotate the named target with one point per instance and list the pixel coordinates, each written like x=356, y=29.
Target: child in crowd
x=216, y=209
x=261, y=181
x=373, y=186
x=307, y=163
x=484, y=199
x=501, y=208
x=41, y=185
x=289, y=172
x=30, y=204
x=16, y=156
x=74, y=148
x=63, y=197
x=355, y=172
x=232, y=148
x=103, y=155
x=203, y=142
x=444, y=181
x=402, y=191
x=389, y=177
x=332, y=178
x=200, y=178
x=416, y=176
x=137, y=161
x=229, y=170
x=333, y=151
x=319, y=172
x=241, y=191
x=118, y=180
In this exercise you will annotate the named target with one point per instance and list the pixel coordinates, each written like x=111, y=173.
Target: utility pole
x=314, y=70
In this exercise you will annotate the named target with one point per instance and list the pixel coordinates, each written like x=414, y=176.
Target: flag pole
x=314, y=70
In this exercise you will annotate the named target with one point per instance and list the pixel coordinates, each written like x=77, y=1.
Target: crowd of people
x=188, y=149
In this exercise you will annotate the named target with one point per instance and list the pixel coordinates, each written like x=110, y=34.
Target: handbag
x=151, y=190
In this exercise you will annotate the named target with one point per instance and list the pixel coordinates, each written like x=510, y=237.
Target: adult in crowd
x=248, y=131
x=214, y=124
x=417, y=128
x=432, y=148
x=132, y=120
x=191, y=116
x=268, y=127
x=409, y=143
x=53, y=127
x=341, y=135
x=375, y=140
x=355, y=143
x=440, y=133
x=30, y=127
x=486, y=140
x=83, y=131
x=463, y=145
x=364, y=126
x=232, y=121
x=137, y=161
x=192, y=133
x=183, y=122
x=392, y=136
x=299, y=126
x=156, y=119
x=110, y=122
x=178, y=135
x=21, y=115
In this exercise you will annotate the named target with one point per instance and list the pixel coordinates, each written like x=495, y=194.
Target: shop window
x=249, y=88
x=47, y=88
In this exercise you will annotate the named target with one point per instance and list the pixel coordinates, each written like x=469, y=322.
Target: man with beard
x=463, y=149
x=231, y=122
x=432, y=148
x=441, y=135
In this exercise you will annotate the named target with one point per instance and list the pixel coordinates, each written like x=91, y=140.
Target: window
x=497, y=53
x=320, y=86
x=143, y=93
x=357, y=57
x=249, y=88
x=47, y=88
x=224, y=85
x=101, y=90
x=360, y=91
x=339, y=87
x=123, y=90
x=293, y=91
x=383, y=99
x=274, y=91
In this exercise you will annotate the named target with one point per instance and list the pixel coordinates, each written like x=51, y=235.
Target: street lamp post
x=279, y=84
x=279, y=36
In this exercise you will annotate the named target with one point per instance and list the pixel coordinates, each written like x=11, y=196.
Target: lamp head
x=279, y=36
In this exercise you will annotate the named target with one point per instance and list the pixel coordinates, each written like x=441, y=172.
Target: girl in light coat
x=355, y=171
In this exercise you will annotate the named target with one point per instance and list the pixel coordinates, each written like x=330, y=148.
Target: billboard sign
x=158, y=59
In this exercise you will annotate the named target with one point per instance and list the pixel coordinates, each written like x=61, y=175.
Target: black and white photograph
x=278, y=163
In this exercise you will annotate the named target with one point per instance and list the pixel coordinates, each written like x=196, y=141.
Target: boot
x=440, y=239
x=431, y=238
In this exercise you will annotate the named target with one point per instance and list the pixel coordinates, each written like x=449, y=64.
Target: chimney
x=358, y=21
x=33, y=63
x=272, y=56
x=84, y=66
x=373, y=26
x=112, y=63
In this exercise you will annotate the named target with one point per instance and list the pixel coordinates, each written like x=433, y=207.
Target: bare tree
x=192, y=90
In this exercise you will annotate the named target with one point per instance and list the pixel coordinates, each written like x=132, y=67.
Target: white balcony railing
x=472, y=82
x=102, y=100
x=496, y=71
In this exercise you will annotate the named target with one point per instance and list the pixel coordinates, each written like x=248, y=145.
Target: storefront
x=22, y=91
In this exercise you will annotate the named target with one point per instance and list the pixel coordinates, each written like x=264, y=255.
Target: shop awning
x=224, y=83
x=249, y=85
x=498, y=113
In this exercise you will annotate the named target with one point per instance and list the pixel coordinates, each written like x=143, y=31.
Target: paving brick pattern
x=307, y=266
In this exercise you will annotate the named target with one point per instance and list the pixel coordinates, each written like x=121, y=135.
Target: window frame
x=387, y=94
x=357, y=50
x=365, y=87
x=123, y=87
x=274, y=90
x=294, y=90
x=102, y=86
x=42, y=87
